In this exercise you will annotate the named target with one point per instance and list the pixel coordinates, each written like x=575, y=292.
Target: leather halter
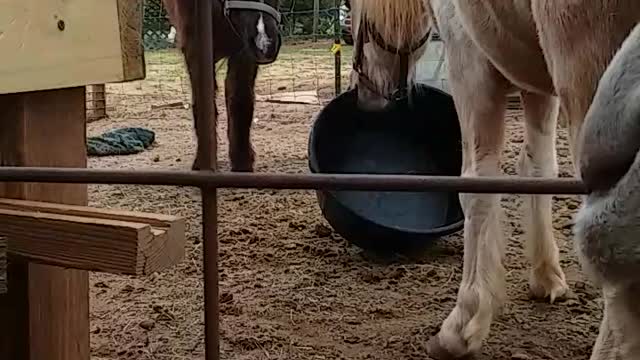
x=253, y=5
x=366, y=31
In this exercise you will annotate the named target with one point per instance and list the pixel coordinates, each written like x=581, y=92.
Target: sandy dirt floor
x=290, y=287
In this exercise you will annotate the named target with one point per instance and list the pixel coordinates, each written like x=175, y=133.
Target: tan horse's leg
x=480, y=93
x=579, y=38
x=538, y=159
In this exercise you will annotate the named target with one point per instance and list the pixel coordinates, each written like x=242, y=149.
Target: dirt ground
x=290, y=287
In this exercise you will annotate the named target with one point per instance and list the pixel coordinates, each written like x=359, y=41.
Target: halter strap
x=252, y=5
x=402, y=90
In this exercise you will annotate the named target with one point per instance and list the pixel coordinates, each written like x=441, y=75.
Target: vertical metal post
x=206, y=128
x=338, y=54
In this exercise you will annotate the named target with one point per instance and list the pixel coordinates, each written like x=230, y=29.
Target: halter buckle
x=399, y=95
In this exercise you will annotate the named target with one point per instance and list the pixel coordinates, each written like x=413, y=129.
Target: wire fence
x=304, y=72
x=298, y=21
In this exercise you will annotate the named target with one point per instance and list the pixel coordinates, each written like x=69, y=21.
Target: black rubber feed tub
x=422, y=139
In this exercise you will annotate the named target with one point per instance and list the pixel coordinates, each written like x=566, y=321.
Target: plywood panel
x=50, y=44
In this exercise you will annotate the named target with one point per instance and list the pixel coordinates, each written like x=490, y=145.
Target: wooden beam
x=316, y=19
x=96, y=102
x=66, y=43
x=45, y=315
x=80, y=237
x=130, y=14
x=3, y=265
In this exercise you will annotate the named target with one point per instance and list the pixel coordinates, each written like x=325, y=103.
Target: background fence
x=304, y=71
x=302, y=20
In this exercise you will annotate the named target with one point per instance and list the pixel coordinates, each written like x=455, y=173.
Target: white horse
x=553, y=52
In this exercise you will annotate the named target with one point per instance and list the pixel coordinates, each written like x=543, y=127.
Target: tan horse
x=553, y=52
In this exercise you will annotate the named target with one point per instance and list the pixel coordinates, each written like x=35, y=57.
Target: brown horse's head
x=256, y=22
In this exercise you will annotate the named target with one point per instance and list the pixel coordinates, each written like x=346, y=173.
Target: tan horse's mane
x=399, y=22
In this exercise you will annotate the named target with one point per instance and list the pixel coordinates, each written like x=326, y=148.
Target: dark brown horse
x=246, y=33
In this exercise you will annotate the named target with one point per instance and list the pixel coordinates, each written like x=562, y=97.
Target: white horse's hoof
x=548, y=283
x=437, y=351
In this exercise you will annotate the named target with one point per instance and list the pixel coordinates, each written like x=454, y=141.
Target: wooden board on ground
x=81, y=237
x=309, y=97
x=66, y=43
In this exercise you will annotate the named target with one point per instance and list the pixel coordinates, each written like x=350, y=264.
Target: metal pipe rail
x=363, y=182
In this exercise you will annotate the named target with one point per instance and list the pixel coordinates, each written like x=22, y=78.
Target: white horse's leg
x=480, y=93
x=538, y=159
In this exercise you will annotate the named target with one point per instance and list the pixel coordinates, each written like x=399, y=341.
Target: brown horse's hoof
x=196, y=165
x=241, y=161
x=436, y=351
x=242, y=168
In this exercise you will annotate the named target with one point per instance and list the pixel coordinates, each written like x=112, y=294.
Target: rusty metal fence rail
x=335, y=182
x=210, y=180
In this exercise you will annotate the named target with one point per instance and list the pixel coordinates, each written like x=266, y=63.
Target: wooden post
x=3, y=265
x=96, y=102
x=338, y=54
x=316, y=18
x=45, y=315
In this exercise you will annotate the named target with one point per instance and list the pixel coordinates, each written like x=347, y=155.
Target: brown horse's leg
x=189, y=47
x=196, y=163
x=240, y=100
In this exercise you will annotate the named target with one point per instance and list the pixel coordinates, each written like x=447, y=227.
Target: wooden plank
x=46, y=312
x=159, y=220
x=95, y=244
x=96, y=102
x=3, y=265
x=296, y=97
x=130, y=13
x=165, y=249
x=65, y=43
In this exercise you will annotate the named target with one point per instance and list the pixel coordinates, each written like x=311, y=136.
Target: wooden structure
x=55, y=44
x=3, y=265
x=52, y=49
x=96, y=102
